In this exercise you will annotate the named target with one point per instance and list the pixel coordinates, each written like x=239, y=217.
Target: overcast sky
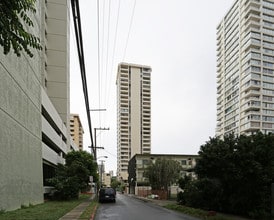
x=177, y=38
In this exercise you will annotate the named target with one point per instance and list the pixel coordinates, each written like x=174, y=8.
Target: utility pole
x=94, y=147
x=95, y=143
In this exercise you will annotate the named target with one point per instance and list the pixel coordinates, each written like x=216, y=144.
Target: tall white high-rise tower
x=245, y=68
x=133, y=114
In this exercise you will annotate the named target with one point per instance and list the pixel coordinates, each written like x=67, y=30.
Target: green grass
x=89, y=210
x=187, y=210
x=51, y=210
x=196, y=212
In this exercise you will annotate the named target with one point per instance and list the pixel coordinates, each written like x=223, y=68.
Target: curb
x=93, y=213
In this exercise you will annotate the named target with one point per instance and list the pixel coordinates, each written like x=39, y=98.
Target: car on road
x=107, y=194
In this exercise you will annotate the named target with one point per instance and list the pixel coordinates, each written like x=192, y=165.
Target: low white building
x=138, y=184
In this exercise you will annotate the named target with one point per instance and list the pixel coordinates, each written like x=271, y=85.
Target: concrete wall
x=30, y=87
x=58, y=56
x=20, y=128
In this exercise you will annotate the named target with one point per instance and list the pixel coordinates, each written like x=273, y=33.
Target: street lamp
x=102, y=157
x=95, y=161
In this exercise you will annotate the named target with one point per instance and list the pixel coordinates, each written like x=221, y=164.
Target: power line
x=113, y=155
x=103, y=39
x=114, y=48
x=102, y=70
x=98, y=48
x=79, y=42
x=106, y=76
x=115, y=37
x=129, y=30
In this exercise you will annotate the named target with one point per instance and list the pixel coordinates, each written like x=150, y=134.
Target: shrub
x=180, y=198
x=66, y=187
x=73, y=177
x=203, y=193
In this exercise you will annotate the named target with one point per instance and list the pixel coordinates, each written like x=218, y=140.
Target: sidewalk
x=78, y=210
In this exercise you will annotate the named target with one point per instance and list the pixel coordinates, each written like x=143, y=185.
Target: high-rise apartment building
x=245, y=68
x=133, y=114
x=76, y=130
x=34, y=109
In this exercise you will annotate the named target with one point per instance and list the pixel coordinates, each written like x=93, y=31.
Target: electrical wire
x=113, y=155
x=130, y=25
x=102, y=54
x=79, y=42
x=98, y=54
x=103, y=38
x=106, y=68
x=107, y=83
x=114, y=48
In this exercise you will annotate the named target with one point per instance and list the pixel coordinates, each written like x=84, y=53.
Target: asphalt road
x=130, y=208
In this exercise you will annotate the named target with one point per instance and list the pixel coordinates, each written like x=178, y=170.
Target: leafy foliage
x=240, y=170
x=84, y=159
x=204, y=193
x=67, y=186
x=183, y=182
x=163, y=173
x=115, y=184
x=14, y=14
x=73, y=177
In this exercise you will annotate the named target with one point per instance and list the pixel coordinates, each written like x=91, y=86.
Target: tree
x=203, y=193
x=163, y=173
x=14, y=15
x=242, y=168
x=73, y=177
x=82, y=164
x=66, y=185
x=115, y=184
x=183, y=183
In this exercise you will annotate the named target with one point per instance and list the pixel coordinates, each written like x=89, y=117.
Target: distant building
x=101, y=170
x=139, y=184
x=133, y=114
x=111, y=173
x=104, y=177
x=245, y=69
x=107, y=179
x=76, y=130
